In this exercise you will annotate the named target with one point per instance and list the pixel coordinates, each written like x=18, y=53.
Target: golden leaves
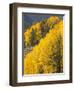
x=47, y=55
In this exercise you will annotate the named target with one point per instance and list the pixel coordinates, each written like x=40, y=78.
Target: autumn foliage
x=45, y=39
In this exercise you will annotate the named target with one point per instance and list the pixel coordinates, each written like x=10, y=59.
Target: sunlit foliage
x=38, y=30
x=47, y=55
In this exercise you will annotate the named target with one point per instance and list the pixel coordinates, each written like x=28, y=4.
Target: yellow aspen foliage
x=27, y=38
x=32, y=35
x=47, y=56
x=52, y=20
x=38, y=30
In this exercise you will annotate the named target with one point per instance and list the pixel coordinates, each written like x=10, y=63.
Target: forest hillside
x=44, y=45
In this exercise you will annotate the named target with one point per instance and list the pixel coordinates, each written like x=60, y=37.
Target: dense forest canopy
x=43, y=43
